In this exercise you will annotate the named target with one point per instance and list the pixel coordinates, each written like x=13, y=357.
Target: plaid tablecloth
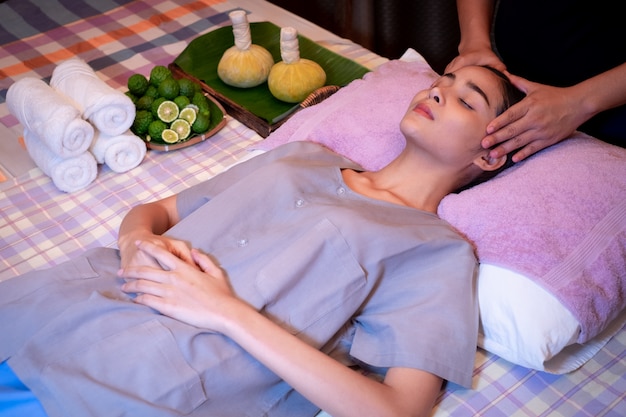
x=41, y=226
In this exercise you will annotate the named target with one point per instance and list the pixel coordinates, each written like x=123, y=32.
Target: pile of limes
x=167, y=109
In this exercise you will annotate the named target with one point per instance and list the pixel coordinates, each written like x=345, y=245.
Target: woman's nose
x=435, y=94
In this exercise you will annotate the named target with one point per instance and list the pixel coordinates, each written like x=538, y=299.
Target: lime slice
x=169, y=136
x=181, y=127
x=188, y=114
x=167, y=111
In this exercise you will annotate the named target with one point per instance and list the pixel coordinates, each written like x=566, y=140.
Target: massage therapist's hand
x=198, y=294
x=476, y=56
x=544, y=117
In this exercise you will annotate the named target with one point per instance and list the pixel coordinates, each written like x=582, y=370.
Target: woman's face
x=449, y=120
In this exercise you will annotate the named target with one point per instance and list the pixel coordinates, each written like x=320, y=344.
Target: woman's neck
x=402, y=182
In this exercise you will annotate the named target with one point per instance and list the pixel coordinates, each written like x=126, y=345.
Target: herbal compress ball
x=244, y=64
x=294, y=78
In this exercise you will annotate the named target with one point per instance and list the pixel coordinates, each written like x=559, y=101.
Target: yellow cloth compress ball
x=294, y=78
x=245, y=64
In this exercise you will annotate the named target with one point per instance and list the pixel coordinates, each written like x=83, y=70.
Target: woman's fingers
x=205, y=263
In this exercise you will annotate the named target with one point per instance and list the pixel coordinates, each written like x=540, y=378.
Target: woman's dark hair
x=510, y=95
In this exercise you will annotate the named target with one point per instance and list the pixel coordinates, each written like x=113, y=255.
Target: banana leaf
x=201, y=56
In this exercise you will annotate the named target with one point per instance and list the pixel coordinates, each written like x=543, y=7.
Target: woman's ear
x=487, y=163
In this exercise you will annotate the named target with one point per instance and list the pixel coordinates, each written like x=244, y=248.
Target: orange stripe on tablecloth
x=94, y=43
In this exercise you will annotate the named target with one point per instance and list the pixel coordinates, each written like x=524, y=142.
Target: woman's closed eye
x=466, y=104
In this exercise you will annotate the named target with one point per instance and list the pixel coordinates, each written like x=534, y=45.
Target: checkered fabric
x=42, y=226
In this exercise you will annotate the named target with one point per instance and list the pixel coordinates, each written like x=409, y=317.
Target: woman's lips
x=423, y=110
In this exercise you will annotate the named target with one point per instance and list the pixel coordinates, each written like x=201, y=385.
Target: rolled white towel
x=109, y=110
x=68, y=174
x=120, y=153
x=51, y=116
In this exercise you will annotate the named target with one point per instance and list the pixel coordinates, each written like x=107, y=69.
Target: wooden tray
x=256, y=107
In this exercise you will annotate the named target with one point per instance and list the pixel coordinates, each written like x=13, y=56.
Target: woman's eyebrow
x=479, y=90
x=473, y=86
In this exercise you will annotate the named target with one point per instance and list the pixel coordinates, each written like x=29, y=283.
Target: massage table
x=42, y=226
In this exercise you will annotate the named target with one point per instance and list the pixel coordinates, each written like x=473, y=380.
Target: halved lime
x=167, y=111
x=189, y=114
x=181, y=127
x=169, y=136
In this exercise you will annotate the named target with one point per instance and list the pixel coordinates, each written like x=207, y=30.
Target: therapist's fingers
x=508, y=126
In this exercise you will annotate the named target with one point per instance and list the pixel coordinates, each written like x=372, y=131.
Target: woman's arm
x=202, y=297
x=475, y=18
x=148, y=222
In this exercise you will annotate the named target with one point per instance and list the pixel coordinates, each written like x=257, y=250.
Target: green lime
x=151, y=91
x=158, y=74
x=154, y=108
x=168, y=88
x=201, y=124
x=187, y=87
x=142, y=121
x=137, y=84
x=182, y=101
x=181, y=127
x=169, y=136
x=202, y=102
x=156, y=128
x=189, y=114
x=131, y=96
x=144, y=103
x=167, y=111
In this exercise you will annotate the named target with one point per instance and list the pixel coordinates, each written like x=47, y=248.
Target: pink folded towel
x=370, y=109
x=559, y=218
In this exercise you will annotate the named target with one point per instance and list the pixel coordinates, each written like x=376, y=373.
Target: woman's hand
x=132, y=256
x=544, y=117
x=196, y=293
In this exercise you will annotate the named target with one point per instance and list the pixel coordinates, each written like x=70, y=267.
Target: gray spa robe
x=360, y=279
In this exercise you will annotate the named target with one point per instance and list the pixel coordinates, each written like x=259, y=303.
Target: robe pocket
x=140, y=368
x=314, y=277
x=93, y=263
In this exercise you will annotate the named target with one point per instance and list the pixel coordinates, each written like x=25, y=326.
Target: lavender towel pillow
x=559, y=218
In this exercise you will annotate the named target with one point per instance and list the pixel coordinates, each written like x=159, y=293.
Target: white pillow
x=525, y=324
x=534, y=221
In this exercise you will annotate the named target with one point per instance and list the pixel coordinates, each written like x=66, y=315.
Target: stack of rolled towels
x=75, y=123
